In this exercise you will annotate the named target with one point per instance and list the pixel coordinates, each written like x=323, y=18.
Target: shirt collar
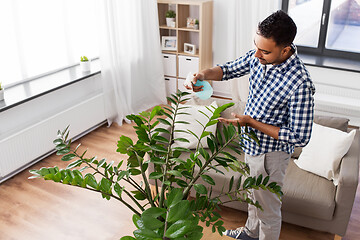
x=284, y=65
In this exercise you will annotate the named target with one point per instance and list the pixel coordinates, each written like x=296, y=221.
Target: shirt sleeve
x=301, y=110
x=238, y=67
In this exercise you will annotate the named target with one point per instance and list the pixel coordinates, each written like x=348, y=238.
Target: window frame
x=321, y=50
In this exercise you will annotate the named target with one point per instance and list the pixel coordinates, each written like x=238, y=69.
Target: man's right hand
x=197, y=76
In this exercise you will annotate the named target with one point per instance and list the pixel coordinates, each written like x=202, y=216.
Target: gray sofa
x=309, y=200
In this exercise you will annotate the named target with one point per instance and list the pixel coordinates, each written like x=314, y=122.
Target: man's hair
x=279, y=27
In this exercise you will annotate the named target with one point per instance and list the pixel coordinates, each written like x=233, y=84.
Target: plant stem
x=162, y=192
x=147, y=187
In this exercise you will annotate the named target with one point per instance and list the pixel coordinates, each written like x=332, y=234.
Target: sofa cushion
x=308, y=194
x=327, y=121
x=324, y=152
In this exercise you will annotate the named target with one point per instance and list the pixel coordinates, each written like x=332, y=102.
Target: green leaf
x=134, y=171
x=146, y=234
x=118, y=189
x=182, y=140
x=155, y=175
x=175, y=173
x=211, y=144
x=122, y=174
x=181, y=149
x=162, y=130
x=151, y=222
x=231, y=183
x=137, y=221
x=259, y=179
x=74, y=164
x=204, y=134
x=164, y=121
x=174, y=197
x=158, y=148
x=181, y=183
x=179, y=211
x=127, y=238
x=212, y=122
x=91, y=181
x=161, y=139
x=58, y=141
x=105, y=185
x=63, y=151
x=139, y=195
x=266, y=180
x=200, y=188
x=154, y=212
x=60, y=146
x=154, y=112
x=204, y=153
x=178, y=229
x=208, y=179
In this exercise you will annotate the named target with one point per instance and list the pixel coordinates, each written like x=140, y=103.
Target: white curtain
x=131, y=63
x=235, y=23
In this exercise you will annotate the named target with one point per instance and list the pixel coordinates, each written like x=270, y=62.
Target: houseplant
x=84, y=64
x=196, y=26
x=1, y=92
x=170, y=18
x=167, y=212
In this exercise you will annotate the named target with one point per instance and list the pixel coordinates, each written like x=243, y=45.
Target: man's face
x=267, y=51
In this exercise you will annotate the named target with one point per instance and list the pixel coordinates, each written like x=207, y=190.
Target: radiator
x=33, y=143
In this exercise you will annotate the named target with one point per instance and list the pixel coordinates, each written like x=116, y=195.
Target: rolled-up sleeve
x=238, y=67
x=301, y=110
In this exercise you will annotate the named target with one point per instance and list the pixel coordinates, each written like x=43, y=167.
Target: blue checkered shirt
x=279, y=95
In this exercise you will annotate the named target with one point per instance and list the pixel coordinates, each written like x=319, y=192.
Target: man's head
x=274, y=37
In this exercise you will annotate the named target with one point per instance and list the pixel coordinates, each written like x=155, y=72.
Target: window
x=40, y=36
x=326, y=27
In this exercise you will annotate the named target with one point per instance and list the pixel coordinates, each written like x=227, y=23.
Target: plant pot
x=170, y=22
x=196, y=26
x=85, y=66
x=1, y=94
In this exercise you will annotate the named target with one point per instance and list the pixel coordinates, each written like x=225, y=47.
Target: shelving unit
x=202, y=38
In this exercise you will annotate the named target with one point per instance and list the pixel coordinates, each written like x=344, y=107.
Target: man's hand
x=241, y=119
x=197, y=76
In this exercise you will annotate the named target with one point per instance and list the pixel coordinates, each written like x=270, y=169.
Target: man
x=279, y=109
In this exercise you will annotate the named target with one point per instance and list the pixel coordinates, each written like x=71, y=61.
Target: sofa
x=309, y=200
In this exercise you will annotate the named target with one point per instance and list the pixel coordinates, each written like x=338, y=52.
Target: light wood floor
x=36, y=209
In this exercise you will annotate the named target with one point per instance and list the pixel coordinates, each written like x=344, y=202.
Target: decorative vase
x=1, y=94
x=170, y=22
x=85, y=66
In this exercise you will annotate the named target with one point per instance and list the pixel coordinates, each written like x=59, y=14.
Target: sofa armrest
x=348, y=181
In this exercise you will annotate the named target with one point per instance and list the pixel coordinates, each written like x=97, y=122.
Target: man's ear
x=286, y=50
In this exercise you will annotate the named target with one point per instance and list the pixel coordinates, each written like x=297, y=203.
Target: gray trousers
x=266, y=225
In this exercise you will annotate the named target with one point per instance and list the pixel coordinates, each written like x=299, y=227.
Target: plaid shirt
x=279, y=95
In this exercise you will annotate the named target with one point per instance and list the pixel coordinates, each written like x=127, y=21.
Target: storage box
x=188, y=64
x=170, y=85
x=169, y=61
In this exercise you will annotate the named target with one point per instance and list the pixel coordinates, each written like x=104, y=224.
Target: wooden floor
x=36, y=209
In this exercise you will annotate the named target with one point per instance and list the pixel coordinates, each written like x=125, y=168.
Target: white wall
x=337, y=93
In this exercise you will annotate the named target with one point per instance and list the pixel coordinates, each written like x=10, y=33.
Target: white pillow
x=194, y=126
x=324, y=151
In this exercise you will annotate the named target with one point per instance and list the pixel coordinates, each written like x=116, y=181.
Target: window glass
x=344, y=26
x=40, y=36
x=307, y=16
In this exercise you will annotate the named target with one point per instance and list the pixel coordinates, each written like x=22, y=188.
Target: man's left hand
x=241, y=119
